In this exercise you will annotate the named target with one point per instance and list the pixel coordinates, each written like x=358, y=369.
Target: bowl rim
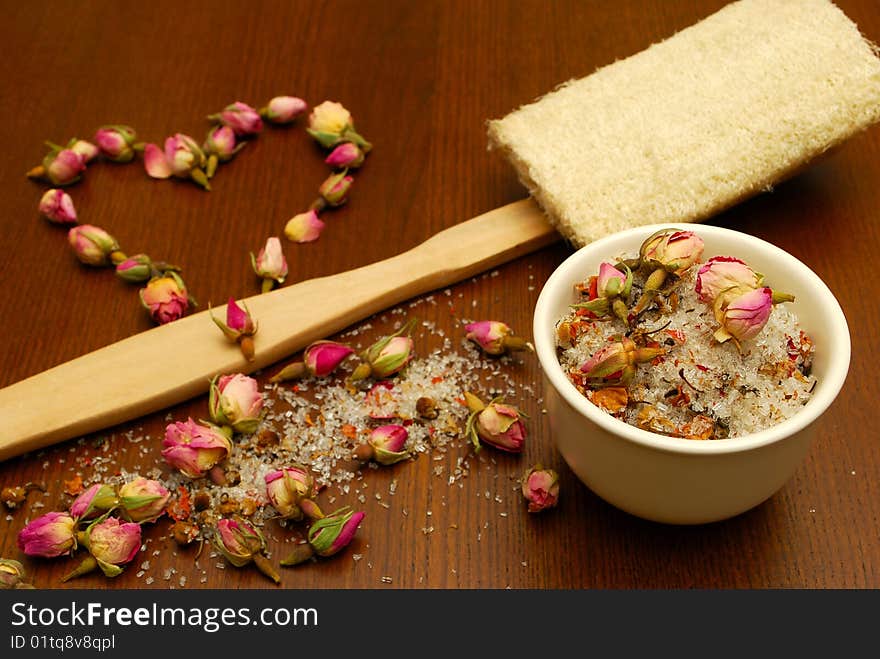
x=566, y=274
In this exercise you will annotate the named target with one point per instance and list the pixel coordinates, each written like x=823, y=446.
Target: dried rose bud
x=116, y=142
x=241, y=544
x=674, y=251
x=94, y=246
x=182, y=158
x=50, y=535
x=219, y=147
x=668, y=251
x=60, y=166
x=387, y=444
x=291, y=491
x=93, y=502
x=270, y=264
x=540, y=487
x=346, y=155
x=236, y=401
x=12, y=575
x=304, y=227
x=86, y=149
x=136, y=269
x=334, y=190
x=612, y=288
x=387, y=356
x=320, y=359
x=220, y=142
x=615, y=364
x=111, y=543
x=331, y=124
x=241, y=118
x=239, y=327
x=57, y=206
x=496, y=424
x=143, y=500
x=722, y=273
x=494, y=337
x=743, y=312
x=165, y=297
x=194, y=448
x=283, y=109
x=333, y=533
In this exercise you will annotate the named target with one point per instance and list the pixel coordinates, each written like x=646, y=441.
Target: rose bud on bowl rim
x=663, y=478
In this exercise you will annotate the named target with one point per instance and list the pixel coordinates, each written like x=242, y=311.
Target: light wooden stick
x=175, y=362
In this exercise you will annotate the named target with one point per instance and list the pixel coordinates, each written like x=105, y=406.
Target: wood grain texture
x=421, y=79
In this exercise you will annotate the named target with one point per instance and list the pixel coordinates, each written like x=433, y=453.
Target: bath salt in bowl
x=703, y=424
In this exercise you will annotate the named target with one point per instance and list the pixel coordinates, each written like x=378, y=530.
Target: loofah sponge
x=720, y=111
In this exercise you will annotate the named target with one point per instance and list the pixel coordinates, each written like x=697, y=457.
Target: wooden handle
x=171, y=363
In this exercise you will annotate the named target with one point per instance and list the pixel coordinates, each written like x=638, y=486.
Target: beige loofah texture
x=720, y=111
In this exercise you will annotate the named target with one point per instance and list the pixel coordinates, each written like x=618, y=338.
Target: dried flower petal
x=304, y=227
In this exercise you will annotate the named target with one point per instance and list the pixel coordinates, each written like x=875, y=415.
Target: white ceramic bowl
x=675, y=480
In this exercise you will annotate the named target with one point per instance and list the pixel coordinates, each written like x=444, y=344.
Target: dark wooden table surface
x=421, y=79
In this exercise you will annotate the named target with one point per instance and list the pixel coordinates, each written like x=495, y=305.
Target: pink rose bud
x=612, y=282
x=494, y=337
x=241, y=118
x=48, y=536
x=291, y=491
x=304, y=227
x=241, y=543
x=182, y=158
x=283, y=109
x=331, y=124
x=221, y=142
x=135, y=269
x=333, y=533
x=744, y=314
x=12, y=575
x=674, y=251
x=540, y=487
x=388, y=444
x=143, y=500
x=667, y=252
x=239, y=327
x=612, y=286
x=346, y=155
x=335, y=189
x=722, y=273
x=614, y=364
x=193, y=448
x=387, y=356
x=60, y=166
x=270, y=264
x=94, y=246
x=165, y=298
x=236, y=401
x=93, y=502
x=323, y=357
x=57, y=206
x=320, y=359
x=87, y=150
x=496, y=424
x=113, y=543
x=116, y=142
